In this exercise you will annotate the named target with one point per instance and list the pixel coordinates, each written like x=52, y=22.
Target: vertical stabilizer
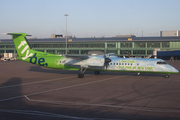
x=21, y=44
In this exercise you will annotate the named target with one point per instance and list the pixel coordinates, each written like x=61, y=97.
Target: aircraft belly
x=97, y=67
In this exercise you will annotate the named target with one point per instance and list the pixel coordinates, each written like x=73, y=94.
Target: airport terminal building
x=121, y=46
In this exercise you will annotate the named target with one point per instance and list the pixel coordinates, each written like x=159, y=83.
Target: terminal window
x=153, y=44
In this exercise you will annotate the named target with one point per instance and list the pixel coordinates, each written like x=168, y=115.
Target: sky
x=89, y=18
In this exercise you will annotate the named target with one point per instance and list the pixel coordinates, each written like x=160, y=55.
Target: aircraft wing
x=77, y=56
x=86, y=61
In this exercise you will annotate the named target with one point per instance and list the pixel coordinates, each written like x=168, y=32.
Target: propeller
x=107, y=60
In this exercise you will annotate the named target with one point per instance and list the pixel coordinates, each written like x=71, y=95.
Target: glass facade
x=10, y=46
x=165, y=44
x=153, y=44
x=61, y=51
x=139, y=44
x=9, y=51
x=119, y=47
x=2, y=46
x=111, y=45
x=50, y=51
x=149, y=52
x=111, y=51
x=2, y=51
x=138, y=52
x=126, y=44
x=123, y=52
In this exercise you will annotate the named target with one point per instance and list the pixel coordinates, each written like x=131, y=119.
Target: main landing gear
x=167, y=76
x=96, y=72
x=81, y=74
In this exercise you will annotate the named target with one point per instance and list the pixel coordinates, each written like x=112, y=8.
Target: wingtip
x=6, y=33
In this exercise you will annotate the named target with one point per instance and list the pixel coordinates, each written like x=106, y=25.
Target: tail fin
x=21, y=44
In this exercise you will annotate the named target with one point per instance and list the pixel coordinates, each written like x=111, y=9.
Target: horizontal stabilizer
x=16, y=34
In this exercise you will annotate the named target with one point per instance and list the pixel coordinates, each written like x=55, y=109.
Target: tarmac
x=31, y=92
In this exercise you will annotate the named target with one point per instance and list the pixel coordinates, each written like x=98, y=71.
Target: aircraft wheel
x=80, y=75
x=167, y=76
x=96, y=72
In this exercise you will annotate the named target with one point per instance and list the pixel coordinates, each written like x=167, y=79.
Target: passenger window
x=122, y=63
x=60, y=61
x=119, y=63
x=116, y=63
x=131, y=63
x=110, y=63
x=128, y=63
x=125, y=63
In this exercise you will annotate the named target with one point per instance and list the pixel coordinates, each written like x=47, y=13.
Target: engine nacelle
x=91, y=61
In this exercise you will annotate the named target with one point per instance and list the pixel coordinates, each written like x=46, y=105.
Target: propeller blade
x=107, y=60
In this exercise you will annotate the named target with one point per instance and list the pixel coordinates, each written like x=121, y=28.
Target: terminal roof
x=110, y=39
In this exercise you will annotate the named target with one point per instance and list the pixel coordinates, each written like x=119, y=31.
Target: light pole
x=66, y=32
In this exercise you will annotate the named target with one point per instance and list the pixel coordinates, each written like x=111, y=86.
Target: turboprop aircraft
x=96, y=63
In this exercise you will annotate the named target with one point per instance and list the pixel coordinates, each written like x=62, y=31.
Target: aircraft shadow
x=14, y=106
x=49, y=70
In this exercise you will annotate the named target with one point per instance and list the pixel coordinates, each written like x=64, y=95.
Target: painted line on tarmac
x=39, y=82
x=104, y=105
x=73, y=86
x=36, y=82
x=11, y=98
x=2, y=100
x=47, y=114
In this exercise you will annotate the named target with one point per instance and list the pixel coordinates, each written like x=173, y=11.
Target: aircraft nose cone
x=176, y=71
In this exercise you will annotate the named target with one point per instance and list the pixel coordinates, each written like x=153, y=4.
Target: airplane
x=97, y=63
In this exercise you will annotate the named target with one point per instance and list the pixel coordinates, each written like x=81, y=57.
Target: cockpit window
x=161, y=62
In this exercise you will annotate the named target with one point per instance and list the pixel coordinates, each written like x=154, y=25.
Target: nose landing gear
x=96, y=72
x=81, y=74
x=167, y=76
